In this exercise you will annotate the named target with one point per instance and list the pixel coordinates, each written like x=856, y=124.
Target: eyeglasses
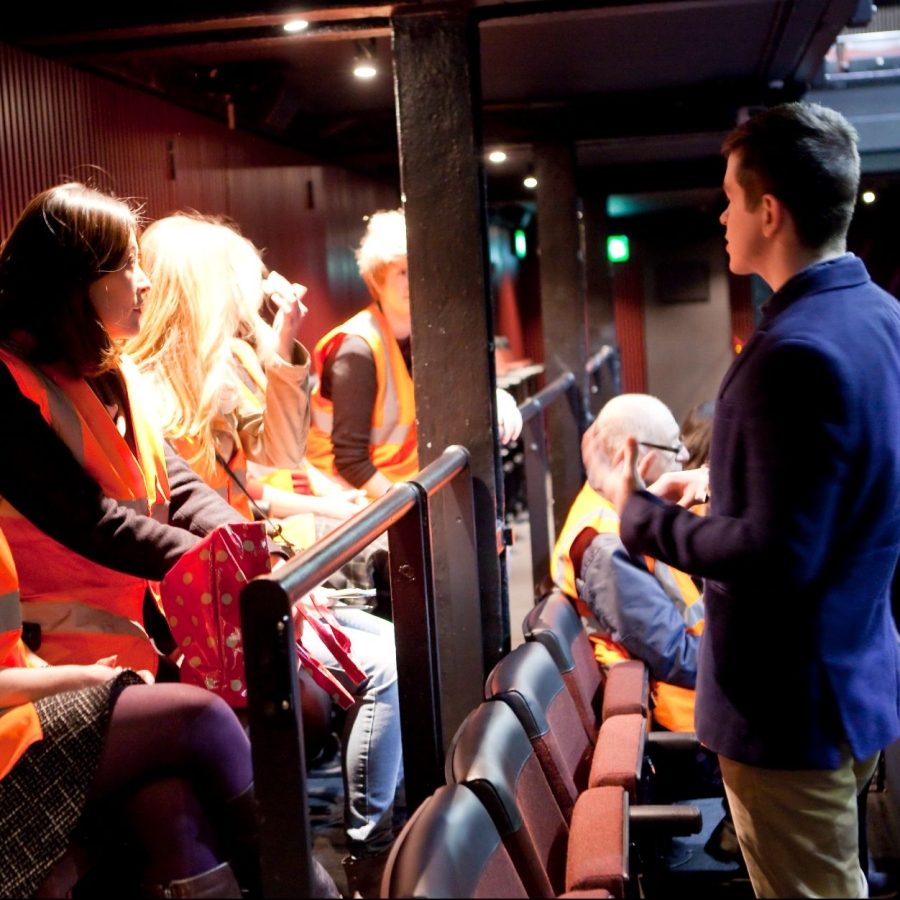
x=679, y=448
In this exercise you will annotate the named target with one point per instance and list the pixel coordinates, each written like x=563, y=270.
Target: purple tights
x=174, y=756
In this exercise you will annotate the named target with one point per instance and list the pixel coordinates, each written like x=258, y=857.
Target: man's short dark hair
x=806, y=156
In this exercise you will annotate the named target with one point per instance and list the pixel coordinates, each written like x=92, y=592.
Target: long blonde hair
x=206, y=289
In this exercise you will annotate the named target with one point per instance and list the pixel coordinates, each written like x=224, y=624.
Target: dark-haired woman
x=94, y=508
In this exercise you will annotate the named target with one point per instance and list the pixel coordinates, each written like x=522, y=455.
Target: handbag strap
x=273, y=529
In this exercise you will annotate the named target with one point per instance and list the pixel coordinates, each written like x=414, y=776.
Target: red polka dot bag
x=200, y=595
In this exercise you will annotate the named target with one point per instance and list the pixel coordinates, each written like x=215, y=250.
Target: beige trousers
x=798, y=829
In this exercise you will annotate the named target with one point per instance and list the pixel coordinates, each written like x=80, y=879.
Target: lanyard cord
x=273, y=529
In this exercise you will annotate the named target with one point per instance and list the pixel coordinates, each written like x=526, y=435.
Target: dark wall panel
x=57, y=123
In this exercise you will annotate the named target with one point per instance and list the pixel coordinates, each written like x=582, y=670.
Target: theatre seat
x=492, y=755
x=450, y=847
x=555, y=623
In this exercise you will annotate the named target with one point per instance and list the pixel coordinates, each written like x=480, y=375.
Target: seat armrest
x=664, y=818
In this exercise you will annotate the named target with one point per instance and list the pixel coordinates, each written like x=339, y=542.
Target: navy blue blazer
x=799, y=656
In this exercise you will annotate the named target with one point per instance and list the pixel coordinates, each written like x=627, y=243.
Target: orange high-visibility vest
x=19, y=725
x=392, y=432
x=673, y=705
x=87, y=611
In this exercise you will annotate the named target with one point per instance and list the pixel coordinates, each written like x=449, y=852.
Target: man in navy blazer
x=798, y=673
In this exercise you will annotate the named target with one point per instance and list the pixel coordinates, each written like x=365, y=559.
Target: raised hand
x=290, y=311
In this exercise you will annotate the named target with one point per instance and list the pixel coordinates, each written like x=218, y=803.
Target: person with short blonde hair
x=363, y=408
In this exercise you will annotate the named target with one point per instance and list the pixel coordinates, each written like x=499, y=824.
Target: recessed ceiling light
x=365, y=70
x=868, y=197
x=296, y=25
x=497, y=156
x=529, y=181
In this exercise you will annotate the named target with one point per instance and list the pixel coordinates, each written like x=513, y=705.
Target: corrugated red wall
x=628, y=312
x=58, y=124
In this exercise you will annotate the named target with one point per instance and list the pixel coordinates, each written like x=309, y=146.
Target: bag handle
x=332, y=636
x=323, y=678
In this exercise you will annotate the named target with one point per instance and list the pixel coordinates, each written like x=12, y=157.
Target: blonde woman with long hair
x=201, y=332
x=233, y=388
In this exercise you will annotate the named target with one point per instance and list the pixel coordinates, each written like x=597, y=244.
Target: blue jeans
x=372, y=755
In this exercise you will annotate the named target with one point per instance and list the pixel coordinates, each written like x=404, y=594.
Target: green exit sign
x=618, y=249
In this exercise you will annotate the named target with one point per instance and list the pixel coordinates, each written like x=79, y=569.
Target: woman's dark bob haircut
x=65, y=239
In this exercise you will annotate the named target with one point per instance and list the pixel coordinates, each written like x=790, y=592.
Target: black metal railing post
x=415, y=633
x=424, y=652
x=276, y=737
x=468, y=624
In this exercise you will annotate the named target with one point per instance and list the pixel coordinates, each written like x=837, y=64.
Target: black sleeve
x=41, y=478
x=348, y=380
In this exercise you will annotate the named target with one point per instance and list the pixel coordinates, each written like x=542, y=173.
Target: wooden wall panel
x=628, y=311
x=57, y=124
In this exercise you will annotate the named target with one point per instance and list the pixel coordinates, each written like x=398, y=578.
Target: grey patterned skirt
x=42, y=799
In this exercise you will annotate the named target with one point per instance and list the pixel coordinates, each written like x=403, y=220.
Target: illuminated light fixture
x=364, y=61
x=618, y=248
x=530, y=182
x=295, y=25
x=868, y=197
x=497, y=156
x=520, y=244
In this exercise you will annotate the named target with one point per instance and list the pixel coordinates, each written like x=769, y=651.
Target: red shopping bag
x=200, y=595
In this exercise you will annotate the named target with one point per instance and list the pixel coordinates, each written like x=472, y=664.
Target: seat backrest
x=625, y=689
x=492, y=755
x=450, y=847
x=528, y=680
x=555, y=623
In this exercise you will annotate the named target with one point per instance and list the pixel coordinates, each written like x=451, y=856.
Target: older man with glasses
x=638, y=607
x=635, y=607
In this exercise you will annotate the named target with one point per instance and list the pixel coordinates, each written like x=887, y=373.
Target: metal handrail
x=536, y=465
x=274, y=709
x=543, y=398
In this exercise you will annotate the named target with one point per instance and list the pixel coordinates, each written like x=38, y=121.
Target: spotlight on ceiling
x=530, y=182
x=497, y=156
x=364, y=60
x=295, y=25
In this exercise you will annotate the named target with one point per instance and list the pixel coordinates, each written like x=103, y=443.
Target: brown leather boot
x=213, y=883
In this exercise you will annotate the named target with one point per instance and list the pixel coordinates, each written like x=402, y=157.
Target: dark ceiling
x=644, y=90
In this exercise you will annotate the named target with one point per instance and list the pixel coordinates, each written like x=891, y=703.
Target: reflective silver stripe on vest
x=691, y=614
x=10, y=612
x=77, y=617
x=64, y=417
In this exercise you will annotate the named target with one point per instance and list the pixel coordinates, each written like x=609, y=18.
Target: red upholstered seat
x=492, y=755
x=555, y=623
x=450, y=847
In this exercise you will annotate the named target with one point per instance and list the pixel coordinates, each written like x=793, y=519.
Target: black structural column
x=598, y=298
x=437, y=84
x=562, y=312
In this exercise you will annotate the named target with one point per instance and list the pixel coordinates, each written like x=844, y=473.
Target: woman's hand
x=290, y=311
x=20, y=684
